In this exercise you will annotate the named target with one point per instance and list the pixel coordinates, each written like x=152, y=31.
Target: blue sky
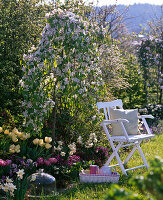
x=127, y=2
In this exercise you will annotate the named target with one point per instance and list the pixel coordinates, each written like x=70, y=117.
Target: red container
x=94, y=169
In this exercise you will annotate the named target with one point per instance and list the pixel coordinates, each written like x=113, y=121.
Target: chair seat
x=132, y=138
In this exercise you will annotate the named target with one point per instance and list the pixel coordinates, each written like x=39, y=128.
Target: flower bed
x=26, y=154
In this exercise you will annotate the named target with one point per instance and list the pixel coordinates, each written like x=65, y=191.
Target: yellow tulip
x=15, y=131
x=11, y=150
x=28, y=135
x=48, y=146
x=11, y=134
x=17, y=146
x=36, y=141
x=24, y=137
x=17, y=150
x=41, y=142
x=1, y=129
x=48, y=139
x=12, y=146
x=6, y=132
x=14, y=139
x=19, y=134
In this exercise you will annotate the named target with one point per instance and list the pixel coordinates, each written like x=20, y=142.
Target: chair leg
x=142, y=155
x=110, y=159
x=113, y=154
x=120, y=163
x=130, y=154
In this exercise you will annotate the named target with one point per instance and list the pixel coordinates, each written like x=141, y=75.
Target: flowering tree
x=63, y=70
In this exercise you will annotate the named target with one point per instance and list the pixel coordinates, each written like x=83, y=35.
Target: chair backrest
x=105, y=106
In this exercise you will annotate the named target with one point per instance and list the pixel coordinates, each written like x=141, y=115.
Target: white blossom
x=60, y=143
x=33, y=178
x=94, y=117
x=20, y=173
x=63, y=153
x=79, y=140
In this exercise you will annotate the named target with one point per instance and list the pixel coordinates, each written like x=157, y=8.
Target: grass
x=99, y=191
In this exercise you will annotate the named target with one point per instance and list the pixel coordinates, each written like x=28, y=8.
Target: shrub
x=152, y=181
x=152, y=109
x=97, y=154
x=6, y=119
x=118, y=193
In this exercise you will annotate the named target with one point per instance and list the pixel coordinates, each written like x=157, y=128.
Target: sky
x=127, y=2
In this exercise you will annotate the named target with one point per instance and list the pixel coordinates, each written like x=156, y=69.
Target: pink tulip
x=40, y=161
x=2, y=162
x=52, y=160
x=47, y=162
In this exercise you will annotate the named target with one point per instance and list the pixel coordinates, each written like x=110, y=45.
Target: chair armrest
x=114, y=121
x=119, y=121
x=145, y=122
x=145, y=116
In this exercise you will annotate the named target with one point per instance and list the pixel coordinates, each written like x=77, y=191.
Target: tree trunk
x=161, y=70
x=146, y=92
x=160, y=97
x=54, y=111
x=158, y=76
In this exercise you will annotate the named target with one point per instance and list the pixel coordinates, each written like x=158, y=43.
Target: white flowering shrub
x=63, y=71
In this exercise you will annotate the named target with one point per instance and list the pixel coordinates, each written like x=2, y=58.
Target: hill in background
x=138, y=16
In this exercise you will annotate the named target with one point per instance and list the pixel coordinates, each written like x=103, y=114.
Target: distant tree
x=156, y=33
x=112, y=63
x=150, y=57
x=133, y=94
x=156, y=25
x=111, y=19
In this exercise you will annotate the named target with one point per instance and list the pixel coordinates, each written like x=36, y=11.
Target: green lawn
x=99, y=191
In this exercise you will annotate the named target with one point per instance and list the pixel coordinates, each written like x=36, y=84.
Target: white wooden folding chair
x=134, y=140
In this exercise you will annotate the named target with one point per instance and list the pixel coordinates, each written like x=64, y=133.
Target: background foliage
x=21, y=23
